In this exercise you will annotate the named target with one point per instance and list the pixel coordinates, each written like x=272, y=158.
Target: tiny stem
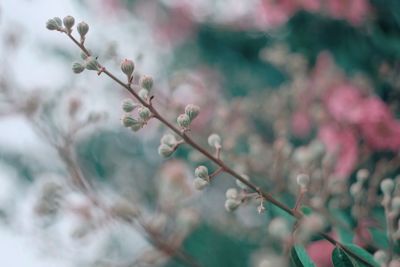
x=389, y=224
x=218, y=152
x=218, y=171
x=299, y=199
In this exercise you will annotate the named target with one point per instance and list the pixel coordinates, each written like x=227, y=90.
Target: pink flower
x=320, y=252
x=341, y=142
x=378, y=126
x=344, y=103
x=353, y=11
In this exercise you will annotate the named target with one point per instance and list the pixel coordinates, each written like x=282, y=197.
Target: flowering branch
x=183, y=120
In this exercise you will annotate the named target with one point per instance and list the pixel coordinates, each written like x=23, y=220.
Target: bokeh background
x=276, y=79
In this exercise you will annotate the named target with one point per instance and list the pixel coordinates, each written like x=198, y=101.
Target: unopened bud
x=143, y=94
x=231, y=193
x=137, y=126
x=214, y=140
x=125, y=211
x=199, y=183
x=381, y=257
x=77, y=67
x=387, y=186
x=69, y=22
x=54, y=24
x=279, y=228
x=128, y=120
x=146, y=82
x=165, y=150
x=83, y=29
x=92, y=64
x=231, y=204
x=303, y=180
x=201, y=172
x=127, y=67
x=168, y=139
x=362, y=175
x=144, y=113
x=183, y=121
x=192, y=111
x=128, y=105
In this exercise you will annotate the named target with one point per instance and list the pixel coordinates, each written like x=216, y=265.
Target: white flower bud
x=144, y=113
x=362, y=175
x=69, y=22
x=128, y=120
x=143, y=94
x=82, y=28
x=165, y=151
x=214, y=140
x=303, y=180
x=169, y=140
x=54, y=24
x=77, y=67
x=355, y=190
x=92, y=64
x=201, y=172
x=192, y=111
x=183, y=121
x=231, y=193
x=146, y=82
x=199, y=183
x=231, y=204
x=387, y=186
x=128, y=105
x=381, y=257
x=240, y=183
x=127, y=67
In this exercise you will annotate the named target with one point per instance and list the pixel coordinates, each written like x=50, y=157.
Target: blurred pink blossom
x=342, y=143
x=320, y=252
x=301, y=124
x=354, y=11
x=378, y=125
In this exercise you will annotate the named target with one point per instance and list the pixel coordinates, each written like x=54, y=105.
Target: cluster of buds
x=56, y=24
x=168, y=145
x=89, y=63
x=184, y=120
x=233, y=199
x=202, y=179
x=146, y=84
x=129, y=120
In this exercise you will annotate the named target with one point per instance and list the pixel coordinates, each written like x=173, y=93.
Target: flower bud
x=144, y=113
x=192, y=111
x=183, y=121
x=214, y=140
x=381, y=257
x=143, y=94
x=279, y=228
x=82, y=28
x=146, y=82
x=240, y=183
x=165, y=151
x=128, y=120
x=92, y=64
x=128, y=105
x=127, y=67
x=303, y=180
x=387, y=186
x=137, y=126
x=355, y=190
x=201, y=172
x=199, y=183
x=231, y=204
x=168, y=139
x=69, y=22
x=231, y=193
x=54, y=24
x=77, y=67
x=362, y=175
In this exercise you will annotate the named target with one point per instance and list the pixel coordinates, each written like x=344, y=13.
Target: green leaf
x=306, y=210
x=341, y=259
x=300, y=257
x=362, y=253
x=379, y=238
